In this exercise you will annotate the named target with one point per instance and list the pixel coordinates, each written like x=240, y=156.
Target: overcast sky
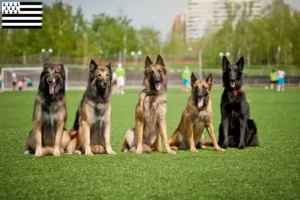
x=158, y=13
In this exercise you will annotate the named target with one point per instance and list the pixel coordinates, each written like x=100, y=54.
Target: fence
x=77, y=77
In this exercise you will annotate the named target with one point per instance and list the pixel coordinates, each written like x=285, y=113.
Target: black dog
x=236, y=128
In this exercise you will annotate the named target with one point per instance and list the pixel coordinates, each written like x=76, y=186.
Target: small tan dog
x=196, y=116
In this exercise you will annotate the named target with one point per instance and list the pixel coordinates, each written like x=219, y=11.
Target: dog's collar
x=235, y=93
x=152, y=92
x=96, y=101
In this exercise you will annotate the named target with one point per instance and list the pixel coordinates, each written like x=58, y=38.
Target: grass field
x=270, y=171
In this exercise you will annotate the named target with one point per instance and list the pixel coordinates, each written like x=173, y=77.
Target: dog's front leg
x=107, y=138
x=37, y=128
x=243, y=123
x=163, y=132
x=211, y=133
x=58, y=138
x=139, y=125
x=139, y=135
x=190, y=133
x=84, y=132
x=225, y=123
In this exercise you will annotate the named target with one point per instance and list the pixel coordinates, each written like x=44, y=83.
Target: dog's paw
x=174, y=148
x=219, y=149
x=77, y=152
x=139, y=151
x=56, y=152
x=27, y=152
x=241, y=146
x=203, y=146
x=194, y=150
x=224, y=145
x=88, y=153
x=38, y=152
x=171, y=152
x=111, y=152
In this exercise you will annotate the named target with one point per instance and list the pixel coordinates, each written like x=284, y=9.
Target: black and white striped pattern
x=22, y=15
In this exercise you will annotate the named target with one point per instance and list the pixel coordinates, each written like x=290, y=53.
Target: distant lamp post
x=278, y=55
x=221, y=54
x=101, y=53
x=136, y=55
x=45, y=54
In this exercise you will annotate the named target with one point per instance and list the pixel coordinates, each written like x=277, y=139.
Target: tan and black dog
x=150, y=122
x=196, y=116
x=91, y=129
x=48, y=136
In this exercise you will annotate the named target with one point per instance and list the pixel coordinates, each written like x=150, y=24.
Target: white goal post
x=24, y=72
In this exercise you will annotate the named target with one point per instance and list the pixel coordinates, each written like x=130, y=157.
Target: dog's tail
x=252, y=137
x=146, y=149
x=97, y=149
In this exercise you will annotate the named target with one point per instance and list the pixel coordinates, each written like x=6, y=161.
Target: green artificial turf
x=270, y=171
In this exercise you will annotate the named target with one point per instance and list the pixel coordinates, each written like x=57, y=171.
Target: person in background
x=280, y=77
x=114, y=83
x=14, y=80
x=29, y=81
x=185, y=77
x=120, y=79
x=1, y=79
x=20, y=85
x=273, y=79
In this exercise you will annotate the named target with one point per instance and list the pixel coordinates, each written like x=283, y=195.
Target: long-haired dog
x=236, y=128
x=91, y=129
x=48, y=136
x=196, y=116
x=150, y=122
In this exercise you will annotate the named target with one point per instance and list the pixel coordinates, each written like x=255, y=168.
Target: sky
x=156, y=13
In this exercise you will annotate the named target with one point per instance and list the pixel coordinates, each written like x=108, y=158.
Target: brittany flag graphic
x=22, y=15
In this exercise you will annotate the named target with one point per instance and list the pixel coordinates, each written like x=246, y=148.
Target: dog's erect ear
x=240, y=64
x=110, y=71
x=93, y=65
x=160, y=61
x=193, y=79
x=225, y=63
x=46, y=62
x=209, y=81
x=148, y=62
x=62, y=71
x=109, y=66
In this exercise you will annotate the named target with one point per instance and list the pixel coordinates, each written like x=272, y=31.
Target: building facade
x=203, y=13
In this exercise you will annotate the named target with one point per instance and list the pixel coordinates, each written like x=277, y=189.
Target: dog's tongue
x=51, y=88
x=200, y=102
x=232, y=84
x=157, y=86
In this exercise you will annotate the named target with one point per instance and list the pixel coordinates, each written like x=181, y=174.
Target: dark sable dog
x=91, y=129
x=48, y=135
x=150, y=121
x=236, y=128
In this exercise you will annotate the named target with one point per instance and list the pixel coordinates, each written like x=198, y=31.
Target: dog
x=91, y=130
x=150, y=113
x=49, y=136
x=236, y=128
x=196, y=116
